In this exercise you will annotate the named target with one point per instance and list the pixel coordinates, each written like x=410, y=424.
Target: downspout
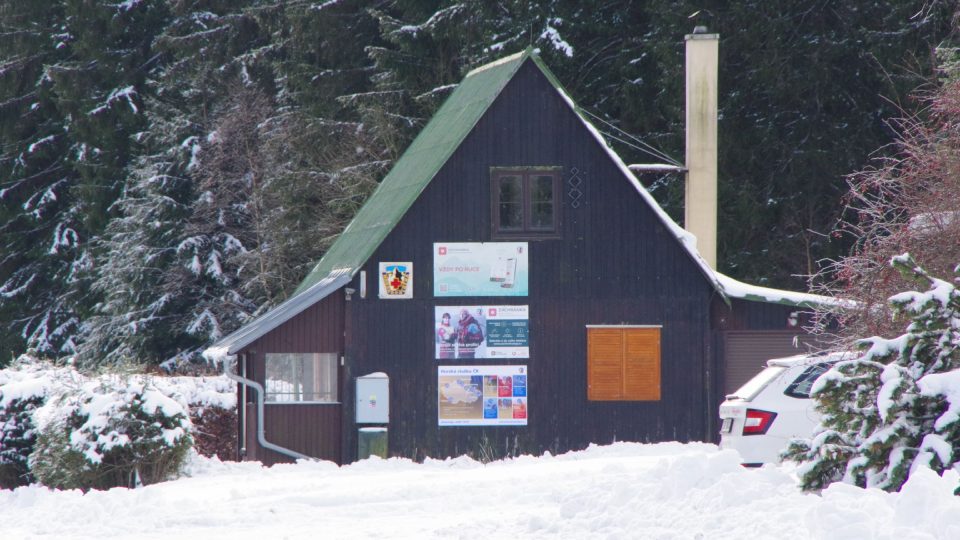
x=229, y=363
x=243, y=411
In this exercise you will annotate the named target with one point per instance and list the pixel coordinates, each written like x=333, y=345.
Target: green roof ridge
x=417, y=166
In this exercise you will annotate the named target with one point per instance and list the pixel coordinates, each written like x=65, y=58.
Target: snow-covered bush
x=72, y=415
x=24, y=387
x=110, y=432
x=897, y=406
x=212, y=402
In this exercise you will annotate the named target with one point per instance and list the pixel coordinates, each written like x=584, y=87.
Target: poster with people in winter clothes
x=467, y=332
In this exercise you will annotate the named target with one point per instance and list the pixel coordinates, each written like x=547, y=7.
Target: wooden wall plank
x=615, y=263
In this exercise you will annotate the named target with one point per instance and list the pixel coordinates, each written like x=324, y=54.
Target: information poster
x=468, y=332
x=482, y=395
x=480, y=269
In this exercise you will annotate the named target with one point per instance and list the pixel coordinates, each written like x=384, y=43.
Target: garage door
x=747, y=352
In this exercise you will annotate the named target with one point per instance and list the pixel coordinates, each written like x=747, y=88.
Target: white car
x=760, y=418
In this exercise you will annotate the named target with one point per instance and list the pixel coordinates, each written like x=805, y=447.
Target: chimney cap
x=701, y=33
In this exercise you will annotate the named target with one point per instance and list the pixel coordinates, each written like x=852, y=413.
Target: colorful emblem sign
x=480, y=269
x=468, y=332
x=482, y=395
x=396, y=280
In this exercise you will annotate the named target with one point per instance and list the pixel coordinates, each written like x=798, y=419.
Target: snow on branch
x=552, y=35
x=10, y=289
x=116, y=95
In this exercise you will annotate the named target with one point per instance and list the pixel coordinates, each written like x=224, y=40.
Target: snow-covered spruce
x=111, y=432
x=897, y=406
x=23, y=388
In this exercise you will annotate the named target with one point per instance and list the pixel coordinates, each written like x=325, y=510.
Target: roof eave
x=282, y=313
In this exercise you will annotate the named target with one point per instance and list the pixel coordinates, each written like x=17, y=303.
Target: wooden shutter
x=604, y=364
x=623, y=364
x=641, y=364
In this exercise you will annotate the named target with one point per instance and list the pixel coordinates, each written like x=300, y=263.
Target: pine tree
x=200, y=55
x=892, y=409
x=70, y=121
x=34, y=183
x=237, y=189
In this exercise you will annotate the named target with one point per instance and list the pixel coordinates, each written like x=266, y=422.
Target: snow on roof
x=738, y=289
x=804, y=359
x=688, y=240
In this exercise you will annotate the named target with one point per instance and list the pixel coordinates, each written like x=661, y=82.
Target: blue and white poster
x=468, y=332
x=482, y=395
x=480, y=269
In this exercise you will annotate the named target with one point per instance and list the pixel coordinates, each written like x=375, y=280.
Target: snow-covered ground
x=626, y=490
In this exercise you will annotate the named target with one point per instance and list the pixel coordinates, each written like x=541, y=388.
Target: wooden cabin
x=519, y=290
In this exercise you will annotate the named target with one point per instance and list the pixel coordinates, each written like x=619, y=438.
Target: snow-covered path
x=661, y=491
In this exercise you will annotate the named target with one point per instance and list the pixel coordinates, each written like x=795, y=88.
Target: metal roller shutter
x=747, y=352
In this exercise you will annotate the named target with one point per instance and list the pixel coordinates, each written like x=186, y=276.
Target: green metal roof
x=442, y=135
x=414, y=171
x=416, y=168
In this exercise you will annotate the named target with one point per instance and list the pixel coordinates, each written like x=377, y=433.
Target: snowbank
x=626, y=490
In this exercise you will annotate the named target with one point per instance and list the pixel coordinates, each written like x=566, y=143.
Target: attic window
x=525, y=202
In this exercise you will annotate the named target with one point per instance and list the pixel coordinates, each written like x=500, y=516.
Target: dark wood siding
x=616, y=263
x=311, y=429
x=749, y=315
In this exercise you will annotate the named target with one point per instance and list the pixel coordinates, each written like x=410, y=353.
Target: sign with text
x=482, y=395
x=480, y=269
x=467, y=332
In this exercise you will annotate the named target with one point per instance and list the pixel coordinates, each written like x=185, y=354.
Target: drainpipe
x=700, y=205
x=229, y=363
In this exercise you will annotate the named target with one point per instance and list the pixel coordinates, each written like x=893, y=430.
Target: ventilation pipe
x=700, y=207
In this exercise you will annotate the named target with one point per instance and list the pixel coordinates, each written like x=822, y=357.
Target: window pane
x=541, y=216
x=511, y=217
x=281, y=382
x=541, y=190
x=510, y=203
x=541, y=203
x=301, y=377
x=800, y=387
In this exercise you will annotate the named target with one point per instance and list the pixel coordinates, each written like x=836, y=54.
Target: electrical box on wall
x=373, y=399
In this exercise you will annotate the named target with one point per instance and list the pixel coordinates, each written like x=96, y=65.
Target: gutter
x=229, y=363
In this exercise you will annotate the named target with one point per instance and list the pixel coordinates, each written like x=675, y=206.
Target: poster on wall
x=480, y=269
x=467, y=332
x=482, y=395
x=396, y=280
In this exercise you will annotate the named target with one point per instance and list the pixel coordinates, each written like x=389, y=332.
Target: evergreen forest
x=170, y=169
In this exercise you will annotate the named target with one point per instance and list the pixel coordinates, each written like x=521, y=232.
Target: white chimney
x=700, y=208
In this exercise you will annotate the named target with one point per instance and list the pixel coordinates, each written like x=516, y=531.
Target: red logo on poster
x=492, y=312
x=442, y=250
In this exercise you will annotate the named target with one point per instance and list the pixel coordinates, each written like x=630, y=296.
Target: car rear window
x=800, y=387
x=753, y=387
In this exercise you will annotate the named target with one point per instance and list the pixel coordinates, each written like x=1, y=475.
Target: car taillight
x=757, y=422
